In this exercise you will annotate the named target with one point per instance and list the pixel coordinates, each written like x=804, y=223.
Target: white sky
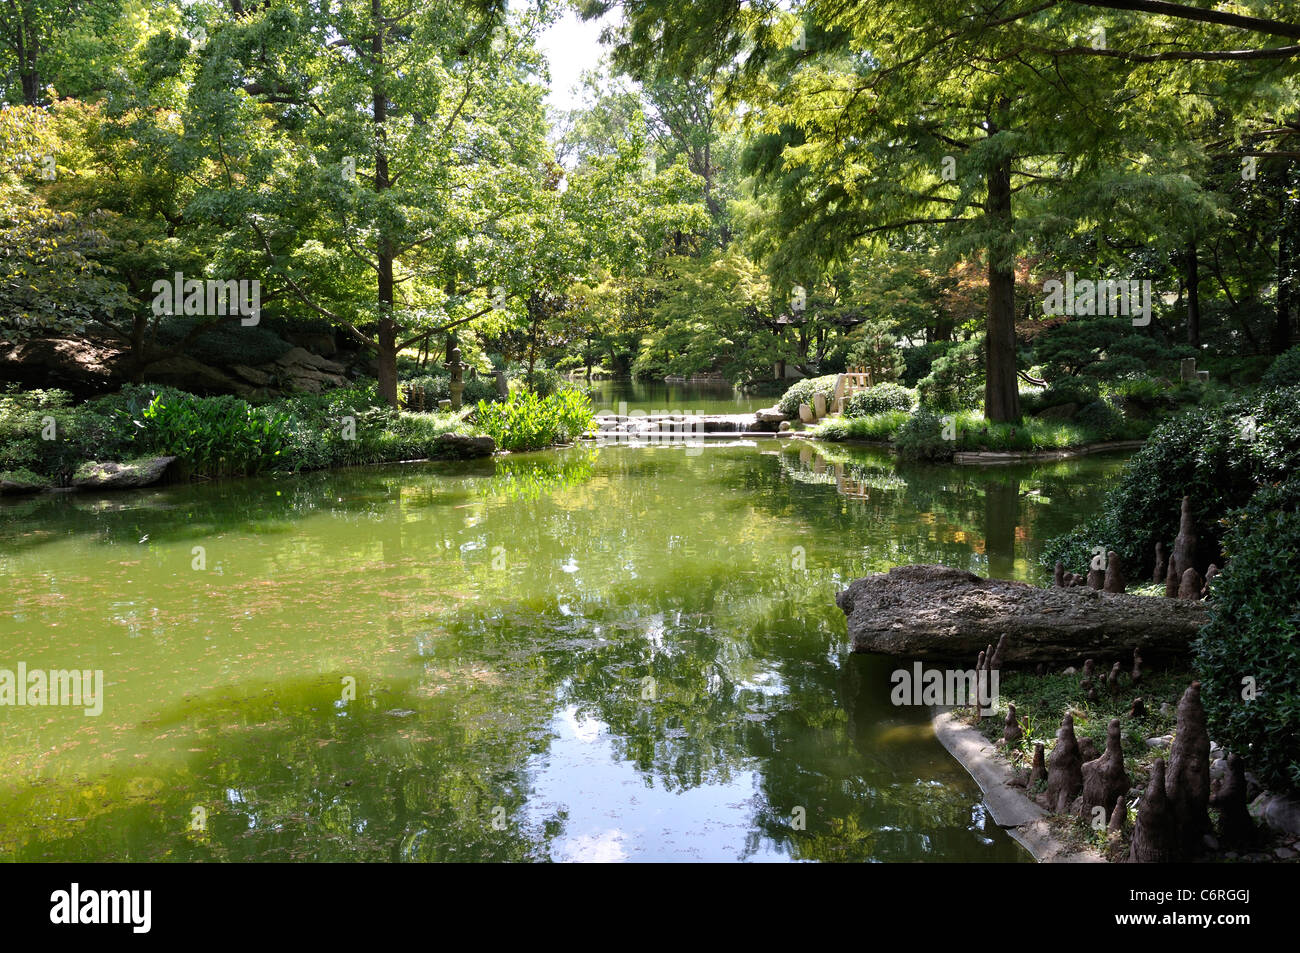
x=571, y=47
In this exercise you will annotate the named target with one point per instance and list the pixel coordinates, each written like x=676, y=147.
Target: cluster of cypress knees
x=1178, y=573
x=1173, y=816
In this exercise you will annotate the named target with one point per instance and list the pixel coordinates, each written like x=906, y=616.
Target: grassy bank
x=46, y=438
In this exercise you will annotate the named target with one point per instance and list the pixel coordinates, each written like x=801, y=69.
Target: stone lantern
x=457, y=375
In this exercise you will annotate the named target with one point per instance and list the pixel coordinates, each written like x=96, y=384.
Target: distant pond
x=658, y=397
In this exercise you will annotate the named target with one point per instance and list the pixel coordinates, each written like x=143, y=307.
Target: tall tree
x=385, y=161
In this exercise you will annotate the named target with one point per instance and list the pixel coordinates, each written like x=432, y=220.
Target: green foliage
x=1254, y=633
x=43, y=432
x=1285, y=371
x=1059, y=392
x=921, y=438
x=878, y=399
x=1102, y=418
x=956, y=378
x=919, y=359
x=213, y=436
x=876, y=350
x=1218, y=459
x=529, y=422
x=436, y=387
x=802, y=392
x=879, y=426
x=1101, y=348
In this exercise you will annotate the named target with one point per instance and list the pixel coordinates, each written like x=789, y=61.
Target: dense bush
x=881, y=426
x=878, y=400
x=801, y=392
x=529, y=422
x=956, y=380
x=1254, y=633
x=1103, y=348
x=1218, y=459
x=921, y=438
x=1102, y=418
x=44, y=432
x=920, y=358
x=1060, y=392
x=214, y=436
x=1285, y=371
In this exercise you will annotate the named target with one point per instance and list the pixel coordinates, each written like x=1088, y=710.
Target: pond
x=585, y=654
x=622, y=396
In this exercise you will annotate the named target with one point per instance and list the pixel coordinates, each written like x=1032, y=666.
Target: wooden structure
x=850, y=382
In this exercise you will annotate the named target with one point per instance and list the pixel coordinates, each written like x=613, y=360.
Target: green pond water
x=588, y=654
x=622, y=396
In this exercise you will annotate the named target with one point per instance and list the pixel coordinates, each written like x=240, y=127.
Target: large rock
x=465, y=445
x=934, y=612
x=188, y=374
x=121, y=476
x=300, y=370
x=80, y=366
x=1279, y=812
x=770, y=415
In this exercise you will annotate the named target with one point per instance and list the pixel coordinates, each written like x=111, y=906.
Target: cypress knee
x=1114, y=581
x=1064, y=768
x=1187, y=782
x=1153, y=834
x=1104, y=779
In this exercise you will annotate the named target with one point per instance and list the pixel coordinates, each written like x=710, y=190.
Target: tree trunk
x=1001, y=389
x=387, y=343
x=28, y=51
x=1193, y=296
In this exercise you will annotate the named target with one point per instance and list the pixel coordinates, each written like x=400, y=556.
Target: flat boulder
x=770, y=415
x=17, y=483
x=466, y=445
x=935, y=612
x=121, y=476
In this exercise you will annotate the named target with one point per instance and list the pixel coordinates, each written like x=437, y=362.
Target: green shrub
x=1218, y=459
x=529, y=422
x=874, y=427
x=1254, y=633
x=1102, y=348
x=1101, y=418
x=25, y=477
x=1285, y=371
x=878, y=400
x=956, y=380
x=436, y=387
x=44, y=432
x=919, y=359
x=920, y=437
x=213, y=436
x=801, y=392
x=1059, y=392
